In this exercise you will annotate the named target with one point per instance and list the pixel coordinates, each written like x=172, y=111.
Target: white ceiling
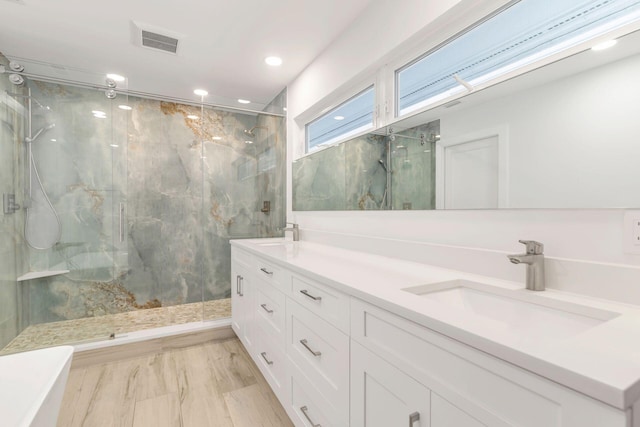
x=222, y=50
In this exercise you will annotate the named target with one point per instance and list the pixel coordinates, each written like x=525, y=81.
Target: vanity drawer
x=242, y=257
x=329, y=304
x=487, y=389
x=268, y=272
x=271, y=361
x=270, y=312
x=307, y=407
x=320, y=351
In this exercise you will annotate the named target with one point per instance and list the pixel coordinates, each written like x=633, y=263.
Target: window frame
x=415, y=55
x=349, y=134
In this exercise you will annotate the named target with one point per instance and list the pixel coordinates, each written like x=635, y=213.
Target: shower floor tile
x=99, y=328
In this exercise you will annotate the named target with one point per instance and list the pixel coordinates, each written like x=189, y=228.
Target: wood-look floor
x=209, y=385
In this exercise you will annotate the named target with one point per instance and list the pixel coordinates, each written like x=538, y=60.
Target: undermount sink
x=518, y=313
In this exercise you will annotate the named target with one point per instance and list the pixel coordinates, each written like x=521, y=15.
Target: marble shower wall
x=11, y=135
x=353, y=175
x=414, y=166
x=185, y=188
x=343, y=177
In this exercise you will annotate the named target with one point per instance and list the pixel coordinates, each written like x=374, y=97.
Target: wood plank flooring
x=208, y=385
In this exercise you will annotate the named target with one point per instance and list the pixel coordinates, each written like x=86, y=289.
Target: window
x=525, y=32
x=350, y=118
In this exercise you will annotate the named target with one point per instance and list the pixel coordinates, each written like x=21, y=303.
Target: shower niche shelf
x=40, y=274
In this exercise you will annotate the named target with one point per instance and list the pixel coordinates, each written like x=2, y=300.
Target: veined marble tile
x=185, y=187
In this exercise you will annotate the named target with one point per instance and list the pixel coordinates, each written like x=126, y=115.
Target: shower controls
x=9, y=203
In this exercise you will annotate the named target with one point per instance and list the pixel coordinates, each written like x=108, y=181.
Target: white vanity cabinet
x=470, y=385
x=318, y=352
x=337, y=360
x=242, y=320
x=382, y=395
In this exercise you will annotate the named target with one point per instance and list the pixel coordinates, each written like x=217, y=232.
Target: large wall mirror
x=566, y=135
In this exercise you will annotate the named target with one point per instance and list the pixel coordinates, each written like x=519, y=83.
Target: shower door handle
x=121, y=219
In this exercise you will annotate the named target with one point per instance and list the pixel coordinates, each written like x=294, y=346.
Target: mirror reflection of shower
x=42, y=229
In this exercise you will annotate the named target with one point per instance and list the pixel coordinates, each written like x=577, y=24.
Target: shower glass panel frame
x=148, y=198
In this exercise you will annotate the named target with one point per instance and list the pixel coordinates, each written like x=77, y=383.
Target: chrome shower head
x=251, y=133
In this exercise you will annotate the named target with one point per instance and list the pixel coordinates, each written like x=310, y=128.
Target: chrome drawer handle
x=264, y=356
x=266, y=309
x=304, y=410
x=239, y=283
x=413, y=418
x=306, y=345
x=306, y=293
x=265, y=271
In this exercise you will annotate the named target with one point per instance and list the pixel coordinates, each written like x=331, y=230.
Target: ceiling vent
x=145, y=35
x=158, y=41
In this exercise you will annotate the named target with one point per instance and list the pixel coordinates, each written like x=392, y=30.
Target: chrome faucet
x=534, y=258
x=295, y=229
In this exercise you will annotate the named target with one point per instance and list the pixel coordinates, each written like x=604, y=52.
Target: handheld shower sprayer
x=34, y=137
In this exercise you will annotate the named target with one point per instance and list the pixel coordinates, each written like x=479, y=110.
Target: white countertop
x=32, y=385
x=603, y=362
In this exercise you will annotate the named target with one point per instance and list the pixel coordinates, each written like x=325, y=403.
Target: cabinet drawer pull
x=413, y=418
x=265, y=271
x=266, y=309
x=304, y=410
x=239, y=283
x=306, y=345
x=264, y=356
x=306, y=293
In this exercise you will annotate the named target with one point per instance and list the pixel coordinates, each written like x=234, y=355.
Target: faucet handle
x=533, y=247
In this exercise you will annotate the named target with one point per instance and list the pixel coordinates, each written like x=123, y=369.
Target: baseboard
x=115, y=352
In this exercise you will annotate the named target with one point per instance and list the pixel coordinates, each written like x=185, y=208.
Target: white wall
x=584, y=247
x=572, y=142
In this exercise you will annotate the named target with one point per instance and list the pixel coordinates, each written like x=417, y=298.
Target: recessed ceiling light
x=217, y=138
x=244, y=101
x=53, y=140
x=114, y=145
x=248, y=142
x=201, y=92
x=284, y=108
x=99, y=114
x=192, y=117
x=274, y=61
x=605, y=45
x=338, y=118
x=115, y=77
x=124, y=107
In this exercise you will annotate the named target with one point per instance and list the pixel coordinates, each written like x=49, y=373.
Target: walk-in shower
x=125, y=216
